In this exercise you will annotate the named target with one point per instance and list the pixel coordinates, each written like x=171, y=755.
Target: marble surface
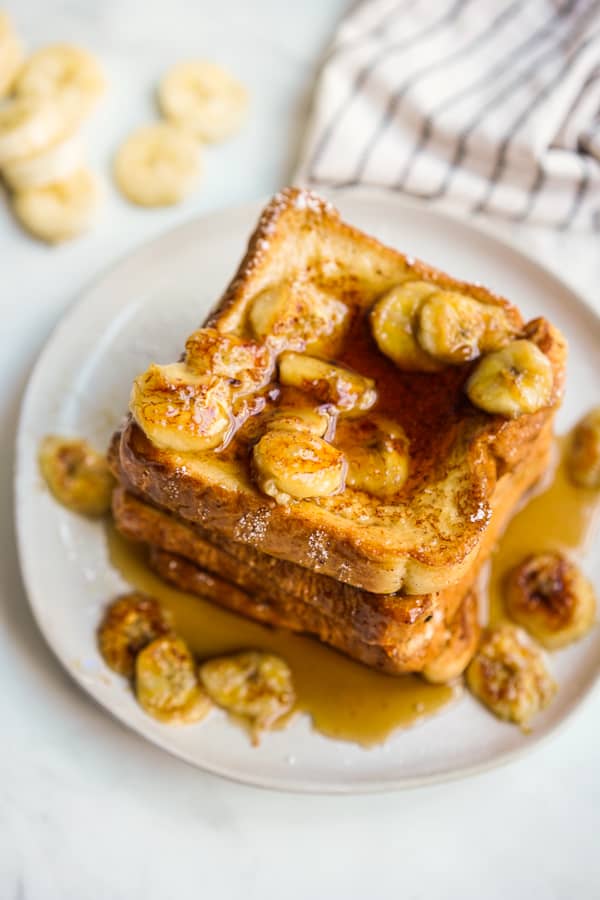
x=88, y=810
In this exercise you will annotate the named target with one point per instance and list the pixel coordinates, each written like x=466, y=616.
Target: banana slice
x=508, y=675
x=166, y=684
x=66, y=76
x=349, y=392
x=294, y=418
x=456, y=329
x=204, y=99
x=62, y=210
x=247, y=364
x=299, y=317
x=293, y=464
x=129, y=624
x=77, y=475
x=55, y=163
x=27, y=126
x=550, y=597
x=394, y=321
x=461, y=643
x=157, y=165
x=377, y=452
x=181, y=411
x=515, y=380
x=11, y=55
x=257, y=686
x=583, y=460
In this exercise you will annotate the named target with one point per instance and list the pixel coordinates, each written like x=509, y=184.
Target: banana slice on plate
x=77, y=475
x=181, y=411
x=257, y=686
x=296, y=418
x=27, y=126
x=166, y=683
x=129, y=624
x=349, y=392
x=157, y=165
x=56, y=163
x=67, y=76
x=298, y=465
x=508, y=674
x=455, y=329
x=247, y=364
x=549, y=596
x=510, y=382
x=11, y=55
x=583, y=459
x=203, y=98
x=377, y=451
x=394, y=322
x=61, y=210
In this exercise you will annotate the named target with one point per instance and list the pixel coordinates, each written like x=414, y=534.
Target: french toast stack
x=341, y=444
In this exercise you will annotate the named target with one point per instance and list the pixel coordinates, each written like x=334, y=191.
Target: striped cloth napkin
x=485, y=106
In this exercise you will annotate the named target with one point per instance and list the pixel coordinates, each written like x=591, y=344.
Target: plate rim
x=86, y=298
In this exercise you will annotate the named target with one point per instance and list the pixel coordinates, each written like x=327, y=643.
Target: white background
x=88, y=810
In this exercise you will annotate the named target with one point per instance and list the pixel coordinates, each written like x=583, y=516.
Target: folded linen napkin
x=486, y=106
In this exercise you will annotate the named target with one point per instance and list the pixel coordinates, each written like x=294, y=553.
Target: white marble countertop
x=87, y=809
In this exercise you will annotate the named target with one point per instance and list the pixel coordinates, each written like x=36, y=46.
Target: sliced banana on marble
x=583, y=458
x=67, y=77
x=349, y=392
x=456, y=329
x=129, y=624
x=510, y=382
x=56, y=162
x=549, y=596
x=27, y=126
x=377, y=452
x=61, y=210
x=166, y=683
x=247, y=365
x=179, y=410
x=256, y=686
x=77, y=475
x=297, y=465
x=394, y=323
x=508, y=674
x=11, y=55
x=157, y=165
x=203, y=98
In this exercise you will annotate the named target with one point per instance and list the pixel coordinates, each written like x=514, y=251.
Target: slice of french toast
x=343, y=407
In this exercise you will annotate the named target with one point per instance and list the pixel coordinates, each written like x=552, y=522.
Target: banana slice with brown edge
x=349, y=392
x=166, y=683
x=298, y=465
x=256, y=686
x=461, y=642
x=583, y=459
x=510, y=382
x=247, y=365
x=181, y=411
x=394, y=322
x=508, y=674
x=77, y=475
x=129, y=624
x=548, y=595
x=455, y=329
x=298, y=316
x=377, y=451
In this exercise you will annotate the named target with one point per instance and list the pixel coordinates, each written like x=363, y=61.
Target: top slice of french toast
x=345, y=407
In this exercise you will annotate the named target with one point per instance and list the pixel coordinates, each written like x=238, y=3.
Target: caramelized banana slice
x=351, y=393
x=508, y=675
x=129, y=624
x=456, y=329
x=550, y=597
x=583, y=461
x=257, y=686
x=166, y=684
x=299, y=317
x=377, y=452
x=515, y=380
x=293, y=464
x=393, y=323
x=299, y=419
x=247, y=364
x=181, y=411
x=77, y=476
x=461, y=643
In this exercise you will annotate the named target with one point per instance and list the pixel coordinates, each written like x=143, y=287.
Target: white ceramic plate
x=141, y=312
